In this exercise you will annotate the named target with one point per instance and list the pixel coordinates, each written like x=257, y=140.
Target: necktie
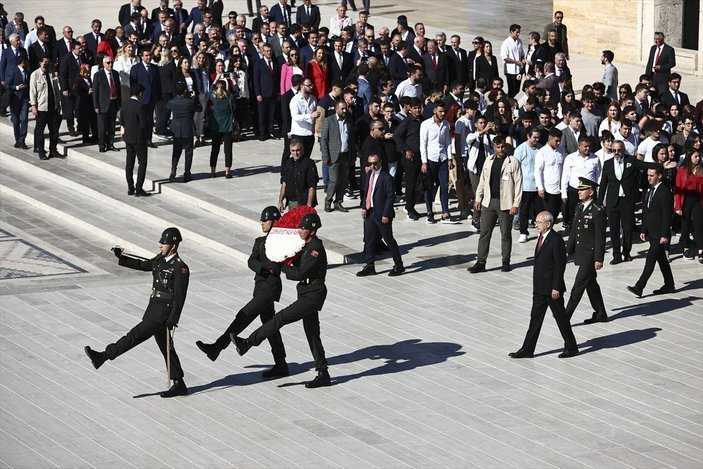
x=307, y=11
x=676, y=95
x=369, y=191
x=270, y=66
x=659, y=51
x=458, y=55
x=651, y=196
x=434, y=61
x=539, y=243
x=618, y=169
x=113, y=89
x=97, y=39
x=339, y=61
x=43, y=48
x=285, y=15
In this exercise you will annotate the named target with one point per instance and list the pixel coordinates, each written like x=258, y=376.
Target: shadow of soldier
x=617, y=340
x=653, y=307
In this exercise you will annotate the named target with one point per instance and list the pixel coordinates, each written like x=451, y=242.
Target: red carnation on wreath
x=283, y=243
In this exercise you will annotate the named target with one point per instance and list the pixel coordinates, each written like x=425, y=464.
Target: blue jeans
x=20, y=120
x=440, y=175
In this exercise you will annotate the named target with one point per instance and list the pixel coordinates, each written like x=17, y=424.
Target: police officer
x=168, y=295
x=587, y=241
x=309, y=270
x=267, y=289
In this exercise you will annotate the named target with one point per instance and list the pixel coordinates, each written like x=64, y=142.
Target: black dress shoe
x=397, y=270
x=340, y=208
x=596, y=318
x=151, y=145
x=187, y=177
x=664, y=290
x=477, y=267
x=17, y=145
x=616, y=260
x=521, y=354
x=42, y=156
x=102, y=150
x=568, y=353
x=328, y=207
x=228, y=175
x=23, y=146
x=56, y=154
x=636, y=290
x=142, y=193
x=172, y=176
x=627, y=258
x=242, y=345
x=366, y=271
x=130, y=191
x=112, y=148
x=322, y=379
x=97, y=358
x=211, y=350
x=505, y=267
x=278, y=371
x=72, y=132
x=178, y=389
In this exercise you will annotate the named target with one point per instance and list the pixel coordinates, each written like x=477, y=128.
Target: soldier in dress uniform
x=587, y=242
x=267, y=290
x=309, y=270
x=168, y=295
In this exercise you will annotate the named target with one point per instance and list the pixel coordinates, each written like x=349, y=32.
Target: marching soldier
x=168, y=295
x=309, y=270
x=267, y=290
x=587, y=241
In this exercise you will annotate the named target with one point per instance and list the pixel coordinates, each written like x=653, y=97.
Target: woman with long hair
x=487, y=64
x=109, y=45
x=566, y=101
x=500, y=113
x=290, y=68
x=221, y=124
x=200, y=74
x=123, y=64
x=611, y=122
x=240, y=75
x=318, y=72
x=688, y=202
x=85, y=110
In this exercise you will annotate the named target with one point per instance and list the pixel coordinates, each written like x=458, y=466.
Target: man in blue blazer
x=377, y=212
x=281, y=13
x=17, y=85
x=147, y=74
x=266, y=89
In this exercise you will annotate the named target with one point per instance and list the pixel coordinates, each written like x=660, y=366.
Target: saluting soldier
x=587, y=242
x=168, y=295
x=309, y=270
x=267, y=290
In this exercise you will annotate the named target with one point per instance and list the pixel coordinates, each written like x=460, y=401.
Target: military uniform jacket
x=266, y=283
x=169, y=288
x=587, y=238
x=310, y=270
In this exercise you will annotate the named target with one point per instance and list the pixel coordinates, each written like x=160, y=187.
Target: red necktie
x=539, y=243
x=370, y=190
x=113, y=90
x=656, y=59
x=270, y=66
x=434, y=61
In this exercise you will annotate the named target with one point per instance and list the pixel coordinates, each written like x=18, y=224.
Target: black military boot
x=211, y=350
x=242, y=345
x=279, y=370
x=97, y=358
x=322, y=379
x=178, y=389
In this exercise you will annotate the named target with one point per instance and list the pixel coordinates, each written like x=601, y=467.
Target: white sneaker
x=522, y=239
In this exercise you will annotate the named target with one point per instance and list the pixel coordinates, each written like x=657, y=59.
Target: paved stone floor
x=419, y=362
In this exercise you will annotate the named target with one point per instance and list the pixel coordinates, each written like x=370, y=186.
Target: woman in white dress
x=123, y=64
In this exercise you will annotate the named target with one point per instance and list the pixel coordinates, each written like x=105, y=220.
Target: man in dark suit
x=17, y=85
x=377, y=212
x=266, y=79
x=662, y=58
x=657, y=211
x=619, y=188
x=436, y=66
x=126, y=11
x=216, y=7
x=183, y=108
x=341, y=63
x=69, y=66
x=281, y=13
x=672, y=95
x=133, y=122
x=587, y=242
x=548, y=289
x=106, y=101
x=93, y=38
x=397, y=66
x=163, y=6
x=459, y=64
x=40, y=49
x=63, y=46
x=147, y=74
x=197, y=14
x=308, y=15
x=11, y=57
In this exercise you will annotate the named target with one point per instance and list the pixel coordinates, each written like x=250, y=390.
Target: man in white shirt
x=579, y=164
x=411, y=87
x=644, y=150
x=549, y=161
x=436, y=160
x=625, y=135
x=303, y=112
x=513, y=56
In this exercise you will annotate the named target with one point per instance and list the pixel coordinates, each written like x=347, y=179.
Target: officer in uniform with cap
x=168, y=295
x=267, y=290
x=587, y=241
x=309, y=270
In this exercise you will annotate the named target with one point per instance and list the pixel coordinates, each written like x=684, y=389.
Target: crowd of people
x=438, y=116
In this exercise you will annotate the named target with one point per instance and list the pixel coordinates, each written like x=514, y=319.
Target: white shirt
x=511, y=48
x=30, y=38
x=576, y=166
x=300, y=108
x=343, y=134
x=548, y=165
x=645, y=148
x=374, y=177
x=629, y=142
x=434, y=141
x=408, y=88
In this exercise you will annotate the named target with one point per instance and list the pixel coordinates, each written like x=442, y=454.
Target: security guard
x=168, y=295
x=309, y=270
x=587, y=241
x=267, y=289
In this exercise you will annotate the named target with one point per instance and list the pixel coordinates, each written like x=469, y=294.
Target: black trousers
x=50, y=119
x=412, y=172
x=552, y=204
x=513, y=85
x=529, y=204
x=219, y=138
x=586, y=280
x=137, y=152
x=305, y=308
x=622, y=214
x=258, y=306
x=106, y=125
x=180, y=144
x=572, y=199
x=692, y=220
x=162, y=115
x=373, y=230
x=656, y=255
x=139, y=334
x=539, y=308
x=68, y=105
x=267, y=109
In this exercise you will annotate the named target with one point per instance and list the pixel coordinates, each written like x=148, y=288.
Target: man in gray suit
x=183, y=108
x=337, y=145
